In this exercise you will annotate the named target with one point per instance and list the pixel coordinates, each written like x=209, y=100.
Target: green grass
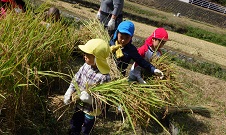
x=206, y=68
x=206, y=35
x=160, y=20
x=129, y=7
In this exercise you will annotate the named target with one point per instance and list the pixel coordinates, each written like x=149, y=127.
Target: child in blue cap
x=125, y=51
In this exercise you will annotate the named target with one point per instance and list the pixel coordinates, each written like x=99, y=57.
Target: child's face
x=123, y=39
x=158, y=43
x=89, y=59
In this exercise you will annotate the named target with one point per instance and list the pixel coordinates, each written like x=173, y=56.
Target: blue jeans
x=81, y=123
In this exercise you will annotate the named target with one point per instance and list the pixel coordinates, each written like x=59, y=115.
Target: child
x=152, y=44
x=94, y=71
x=125, y=51
x=51, y=16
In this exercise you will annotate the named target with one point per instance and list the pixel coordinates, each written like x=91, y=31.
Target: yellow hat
x=101, y=50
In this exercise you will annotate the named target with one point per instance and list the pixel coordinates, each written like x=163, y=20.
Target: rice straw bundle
x=92, y=29
x=137, y=101
x=175, y=89
x=140, y=101
x=114, y=72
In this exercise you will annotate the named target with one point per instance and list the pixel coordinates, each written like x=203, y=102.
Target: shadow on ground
x=183, y=122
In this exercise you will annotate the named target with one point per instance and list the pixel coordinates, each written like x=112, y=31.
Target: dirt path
x=209, y=92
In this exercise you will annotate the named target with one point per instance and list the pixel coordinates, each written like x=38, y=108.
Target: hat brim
x=85, y=49
x=163, y=39
x=103, y=66
x=126, y=32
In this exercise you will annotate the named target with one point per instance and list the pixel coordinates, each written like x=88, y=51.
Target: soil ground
x=204, y=90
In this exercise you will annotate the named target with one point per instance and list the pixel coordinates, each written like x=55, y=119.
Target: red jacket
x=159, y=33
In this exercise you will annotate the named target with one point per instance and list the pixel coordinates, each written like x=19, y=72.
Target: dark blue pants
x=80, y=123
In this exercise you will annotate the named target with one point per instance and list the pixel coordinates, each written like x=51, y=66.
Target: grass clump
x=206, y=35
x=206, y=68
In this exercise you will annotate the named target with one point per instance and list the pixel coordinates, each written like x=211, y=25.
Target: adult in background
x=110, y=14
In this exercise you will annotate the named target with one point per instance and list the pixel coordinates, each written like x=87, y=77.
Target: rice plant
x=33, y=54
x=26, y=48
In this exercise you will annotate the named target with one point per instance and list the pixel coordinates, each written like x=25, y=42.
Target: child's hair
x=52, y=14
x=22, y=4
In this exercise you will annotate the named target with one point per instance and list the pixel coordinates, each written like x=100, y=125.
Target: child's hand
x=159, y=73
x=67, y=101
x=85, y=97
x=114, y=48
x=67, y=96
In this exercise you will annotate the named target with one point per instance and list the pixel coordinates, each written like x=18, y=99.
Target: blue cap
x=126, y=27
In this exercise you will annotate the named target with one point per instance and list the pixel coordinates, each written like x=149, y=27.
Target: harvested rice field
x=203, y=90
x=200, y=91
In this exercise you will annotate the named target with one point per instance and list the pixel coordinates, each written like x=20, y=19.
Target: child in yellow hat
x=94, y=71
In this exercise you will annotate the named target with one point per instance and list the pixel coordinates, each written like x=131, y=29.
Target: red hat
x=160, y=33
x=5, y=0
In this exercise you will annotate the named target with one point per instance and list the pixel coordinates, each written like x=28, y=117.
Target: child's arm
x=143, y=63
x=71, y=89
x=68, y=94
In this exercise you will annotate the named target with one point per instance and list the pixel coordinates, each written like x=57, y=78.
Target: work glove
x=111, y=24
x=67, y=96
x=18, y=10
x=98, y=15
x=158, y=73
x=85, y=97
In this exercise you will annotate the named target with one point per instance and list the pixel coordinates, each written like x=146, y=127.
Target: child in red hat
x=152, y=44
